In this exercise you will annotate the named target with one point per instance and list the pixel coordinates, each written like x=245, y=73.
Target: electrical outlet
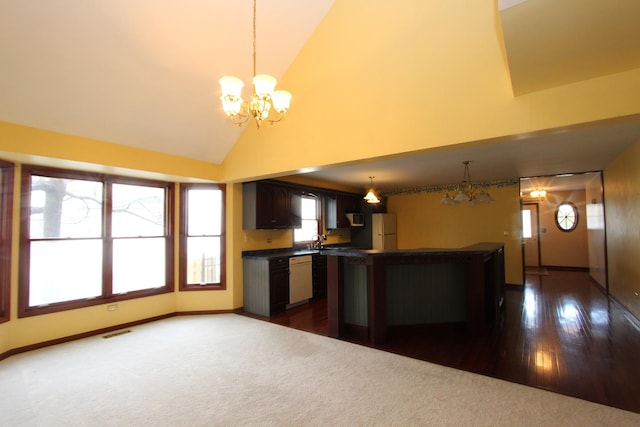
x=112, y=307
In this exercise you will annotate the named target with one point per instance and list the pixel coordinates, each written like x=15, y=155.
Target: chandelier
x=466, y=192
x=539, y=193
x=263, y=98
x=372, y=197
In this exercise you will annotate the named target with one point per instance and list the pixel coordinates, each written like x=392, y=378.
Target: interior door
x=530, y=235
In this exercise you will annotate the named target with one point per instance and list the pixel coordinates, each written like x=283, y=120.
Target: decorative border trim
x=449, y=188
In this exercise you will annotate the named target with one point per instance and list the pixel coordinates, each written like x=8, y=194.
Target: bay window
x=88, y=239
x=6, y=203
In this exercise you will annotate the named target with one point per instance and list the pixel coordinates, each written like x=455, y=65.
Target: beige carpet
x=230, y=370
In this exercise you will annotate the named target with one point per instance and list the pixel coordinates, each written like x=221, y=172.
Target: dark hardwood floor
x=560, y=333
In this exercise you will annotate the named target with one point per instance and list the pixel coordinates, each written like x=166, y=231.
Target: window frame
x=7, y=171
x=107, y=296
x=184, y=215
x=575, y=213
x=318, y=219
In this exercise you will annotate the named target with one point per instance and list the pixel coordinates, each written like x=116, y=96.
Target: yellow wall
x=596, y=231
x=28, y=145
x=559, y=248
x=423, y=222
x=386, y=80
x=622, y=210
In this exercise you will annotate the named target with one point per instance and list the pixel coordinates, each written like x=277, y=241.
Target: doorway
x=547, y=241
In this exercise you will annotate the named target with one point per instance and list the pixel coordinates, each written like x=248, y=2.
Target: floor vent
x=115, y=334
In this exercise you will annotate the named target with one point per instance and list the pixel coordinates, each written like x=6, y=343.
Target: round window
x=566, y=216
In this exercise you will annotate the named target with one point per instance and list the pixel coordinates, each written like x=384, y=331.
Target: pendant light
x=372, y=197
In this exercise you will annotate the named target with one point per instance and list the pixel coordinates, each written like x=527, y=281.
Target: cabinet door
x=346, y=204
x=295, y=208
x=281, y=205
x=278, y=283
x=277, y=206
x=264, y=205
x=330, y=212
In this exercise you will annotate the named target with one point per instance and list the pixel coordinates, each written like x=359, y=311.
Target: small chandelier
x=372, y=197
x=540, y=193
x=466, y=192
x=263, y=98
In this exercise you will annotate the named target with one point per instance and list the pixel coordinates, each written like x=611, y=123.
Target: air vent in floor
x=115, y=334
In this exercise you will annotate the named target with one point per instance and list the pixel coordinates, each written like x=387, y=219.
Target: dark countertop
x=277, y=253
x=477, y=249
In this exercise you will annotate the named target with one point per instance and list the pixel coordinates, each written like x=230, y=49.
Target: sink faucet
x=317, y=240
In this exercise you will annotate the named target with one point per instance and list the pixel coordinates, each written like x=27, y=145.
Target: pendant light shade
x=372, y=197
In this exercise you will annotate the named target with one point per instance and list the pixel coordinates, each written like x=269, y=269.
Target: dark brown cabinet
x=336, y=208
x=265, y=285
x=278, y=284
x=269, y=205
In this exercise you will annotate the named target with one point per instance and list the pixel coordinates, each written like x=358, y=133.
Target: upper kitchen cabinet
x=337, y=206
x=270, y=205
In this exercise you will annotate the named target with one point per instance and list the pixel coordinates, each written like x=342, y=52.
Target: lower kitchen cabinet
x=266, y=282
x=278, y=284
x=265, y=285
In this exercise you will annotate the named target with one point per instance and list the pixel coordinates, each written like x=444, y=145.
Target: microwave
x=355, y=219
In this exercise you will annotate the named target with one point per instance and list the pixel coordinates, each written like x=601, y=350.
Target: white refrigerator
x=383, y=228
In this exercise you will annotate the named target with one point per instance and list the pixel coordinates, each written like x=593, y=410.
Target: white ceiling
x=561, y=152
x=144, y=73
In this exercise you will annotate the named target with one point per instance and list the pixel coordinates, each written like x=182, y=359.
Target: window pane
x=203, y=260
x=308, y=230
x=204, y=212
x=309, y=226
x=65, y=208
x=64, y=270
x=138, y=211
x=138, y=264
x=526, y=224
x=308, y=208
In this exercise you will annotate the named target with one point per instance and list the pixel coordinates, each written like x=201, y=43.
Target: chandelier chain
x=254, y=38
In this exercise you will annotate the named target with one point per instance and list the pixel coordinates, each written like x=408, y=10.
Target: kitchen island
x=370, y=291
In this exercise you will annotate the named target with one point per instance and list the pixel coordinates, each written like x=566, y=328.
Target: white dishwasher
x=300, y=280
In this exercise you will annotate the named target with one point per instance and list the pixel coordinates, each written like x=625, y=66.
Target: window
x=310, y=222
x=566, y=216
x=6, y=203
x=526, y=224
x=87, y=239
x=202, y=237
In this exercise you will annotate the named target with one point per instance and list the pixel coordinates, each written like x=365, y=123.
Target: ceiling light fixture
x=371, y=196
x=538, y=193
x=263, y=98
x=466, y=192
